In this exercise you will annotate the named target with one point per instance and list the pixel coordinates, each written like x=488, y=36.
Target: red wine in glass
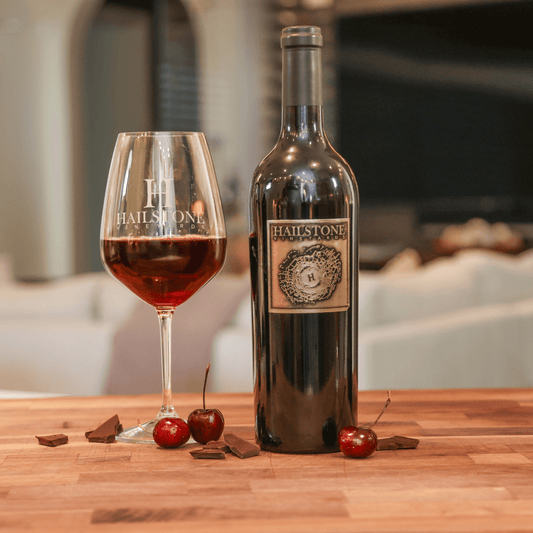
x=164, y=271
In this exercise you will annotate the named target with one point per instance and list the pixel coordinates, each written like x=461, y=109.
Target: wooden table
x=472, y=471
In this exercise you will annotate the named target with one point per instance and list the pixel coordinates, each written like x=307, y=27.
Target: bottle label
x=309, y=267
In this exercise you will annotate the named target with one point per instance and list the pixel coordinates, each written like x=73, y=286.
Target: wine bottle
x=304, y=207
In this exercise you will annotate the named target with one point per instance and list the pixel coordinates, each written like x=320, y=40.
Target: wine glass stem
x=165, y=322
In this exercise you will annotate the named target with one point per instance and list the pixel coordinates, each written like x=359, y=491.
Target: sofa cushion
x=500, y=278
x=243, y=316
x=232, y=360
x=485, y=347
x=439, y=287
x=73, y=298
x=114, y=302
x=469, y=279
x=136, y=363
x=61, y=356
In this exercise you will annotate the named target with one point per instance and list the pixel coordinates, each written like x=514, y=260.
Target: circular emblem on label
x=311, y=275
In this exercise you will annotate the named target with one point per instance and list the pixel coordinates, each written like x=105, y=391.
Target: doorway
x=140, y=74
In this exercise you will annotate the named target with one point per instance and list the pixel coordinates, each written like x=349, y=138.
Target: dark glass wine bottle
x=304, y=267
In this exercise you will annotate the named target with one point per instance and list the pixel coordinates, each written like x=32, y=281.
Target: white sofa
x=58, y=337
x=463, y=321
x=88, y=335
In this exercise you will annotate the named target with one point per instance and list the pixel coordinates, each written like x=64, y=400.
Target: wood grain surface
x=472, y=471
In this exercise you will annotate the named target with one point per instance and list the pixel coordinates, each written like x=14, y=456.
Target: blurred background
x=430, y=101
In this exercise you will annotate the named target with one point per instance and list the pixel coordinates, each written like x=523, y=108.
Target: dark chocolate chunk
x=397, y=443
x=106, y=432
x=206, y=453
x=240, y=447
x=406, y=443
x=52, y=440
x=217, y=445
x=386, y=444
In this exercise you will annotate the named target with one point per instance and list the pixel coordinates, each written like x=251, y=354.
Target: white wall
x=42, y=215
x=37, y=216
x=232, y=58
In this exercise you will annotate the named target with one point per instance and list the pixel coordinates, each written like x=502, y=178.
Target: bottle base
x=277, y=449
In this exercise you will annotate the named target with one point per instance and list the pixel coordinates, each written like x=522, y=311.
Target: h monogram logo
x=164, y=190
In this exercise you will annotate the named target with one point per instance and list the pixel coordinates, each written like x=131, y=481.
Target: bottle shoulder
x=294, y=163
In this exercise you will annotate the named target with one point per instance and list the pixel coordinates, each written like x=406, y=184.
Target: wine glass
x=163, y=234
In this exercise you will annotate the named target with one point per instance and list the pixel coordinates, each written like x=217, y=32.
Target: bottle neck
x=301, y=76
x=301, y=100
x=304, y=122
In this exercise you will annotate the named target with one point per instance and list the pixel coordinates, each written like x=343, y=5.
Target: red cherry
x=206, y=424
x=357, y=442
x=171, y=432
x=360, y=441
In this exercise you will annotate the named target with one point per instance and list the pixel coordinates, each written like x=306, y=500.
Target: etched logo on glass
x=160, y=208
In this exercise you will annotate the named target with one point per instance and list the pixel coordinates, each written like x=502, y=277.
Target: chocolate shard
x=240, y=447
x=386, y=444
x=206, y=453
x=406, y=443
x=106, y=432
x=397, y=443
x=217, y=445
x=52, y=440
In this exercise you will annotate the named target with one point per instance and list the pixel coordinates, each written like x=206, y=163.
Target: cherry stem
x=383, y=410
x=205, y=382
x=144, y=429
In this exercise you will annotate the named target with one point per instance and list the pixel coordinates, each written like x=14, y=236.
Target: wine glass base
x=143, y=433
